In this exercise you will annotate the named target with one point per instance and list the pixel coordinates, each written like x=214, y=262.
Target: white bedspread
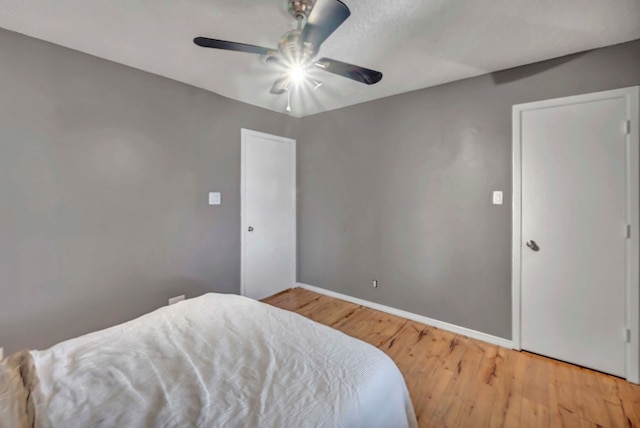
x=219, y=361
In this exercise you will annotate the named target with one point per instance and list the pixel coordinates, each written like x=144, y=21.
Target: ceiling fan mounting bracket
x=300, y=9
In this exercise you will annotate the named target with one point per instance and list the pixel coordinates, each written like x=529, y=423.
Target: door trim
x=244, y=133
x=632, y=97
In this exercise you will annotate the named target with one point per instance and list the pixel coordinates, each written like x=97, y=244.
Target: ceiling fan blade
x=325, y=17
x=230, y=46
x=281, y=85
x=350, y=71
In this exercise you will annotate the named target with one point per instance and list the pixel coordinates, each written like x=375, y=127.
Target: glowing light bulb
x=297, y=73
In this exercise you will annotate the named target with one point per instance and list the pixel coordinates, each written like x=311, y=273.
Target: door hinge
x=627, y=335
x=628, y=231
x=626, y=127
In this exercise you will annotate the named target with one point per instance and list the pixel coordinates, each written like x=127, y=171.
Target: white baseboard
x=474, y=334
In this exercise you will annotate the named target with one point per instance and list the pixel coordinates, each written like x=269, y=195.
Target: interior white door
x=268, y=214
x=574, y=218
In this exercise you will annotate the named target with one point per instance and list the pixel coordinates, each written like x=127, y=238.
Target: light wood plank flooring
x=457, y=381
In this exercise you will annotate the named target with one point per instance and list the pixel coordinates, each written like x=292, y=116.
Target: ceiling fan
x=297, y=49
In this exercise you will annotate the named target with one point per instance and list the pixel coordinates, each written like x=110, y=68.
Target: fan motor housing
x=293, y=50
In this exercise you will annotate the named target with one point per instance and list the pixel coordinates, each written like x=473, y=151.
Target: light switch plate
x=215, y=198
x=497, y=197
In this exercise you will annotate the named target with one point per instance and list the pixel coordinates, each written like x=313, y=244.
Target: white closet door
x=268, y=214
x=574, y=237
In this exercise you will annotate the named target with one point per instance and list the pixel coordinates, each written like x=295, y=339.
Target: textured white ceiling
x=415, y=43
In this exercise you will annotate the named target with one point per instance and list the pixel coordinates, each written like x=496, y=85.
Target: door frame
x=632, y=96
x=244, y=133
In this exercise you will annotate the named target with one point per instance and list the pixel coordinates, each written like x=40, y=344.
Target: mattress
x=218, y=360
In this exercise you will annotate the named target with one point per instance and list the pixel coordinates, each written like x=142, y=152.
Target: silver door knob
x=532, y=244
x=250, y=229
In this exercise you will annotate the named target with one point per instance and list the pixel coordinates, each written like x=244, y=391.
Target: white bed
x=217, y=360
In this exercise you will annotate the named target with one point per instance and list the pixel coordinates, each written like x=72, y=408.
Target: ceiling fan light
x=297, y=73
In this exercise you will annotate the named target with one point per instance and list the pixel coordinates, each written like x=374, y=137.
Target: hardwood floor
x=457, y=381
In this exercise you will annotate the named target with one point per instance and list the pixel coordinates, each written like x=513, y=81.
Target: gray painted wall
x=104, y=174
x=399, y=189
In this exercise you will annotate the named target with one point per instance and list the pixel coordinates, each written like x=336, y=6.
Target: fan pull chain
x=289, y=101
